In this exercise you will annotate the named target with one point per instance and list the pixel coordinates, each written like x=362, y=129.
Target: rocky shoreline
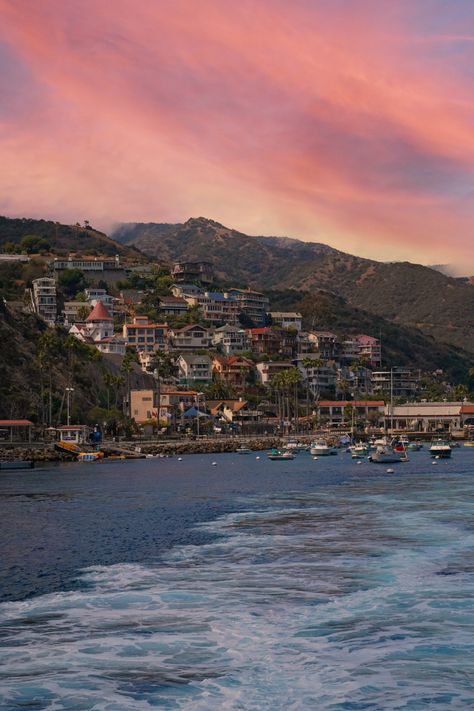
x=48, y=453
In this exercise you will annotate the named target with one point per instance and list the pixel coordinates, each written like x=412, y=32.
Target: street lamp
x=198, y=395
x=68, y=398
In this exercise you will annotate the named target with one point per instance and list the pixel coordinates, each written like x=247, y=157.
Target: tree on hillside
x=72, y=281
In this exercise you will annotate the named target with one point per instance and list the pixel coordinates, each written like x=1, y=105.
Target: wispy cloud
x=338, y=121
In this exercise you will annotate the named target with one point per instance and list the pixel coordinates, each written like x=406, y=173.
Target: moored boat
x=277, y=455
x=388, y=453
x=359, y=450
x=243, y=450
x=320, y=448
x=440, y=448
x=89, y=456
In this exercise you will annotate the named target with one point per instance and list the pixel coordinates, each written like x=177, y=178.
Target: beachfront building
x=44, y=299
x=433, y=417
x=144, y=335
x=194, y=369
x=335, y=412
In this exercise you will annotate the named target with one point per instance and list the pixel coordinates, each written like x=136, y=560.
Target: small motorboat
x=440, y=448
x=277, y=455
x=243, y=450
x=89, y=456
x=359, y=450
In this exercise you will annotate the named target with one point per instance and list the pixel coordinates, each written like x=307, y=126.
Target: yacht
x=243, y=450
x=320, y=448
x=388, y=453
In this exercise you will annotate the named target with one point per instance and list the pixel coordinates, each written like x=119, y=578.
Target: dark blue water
x=246, y=585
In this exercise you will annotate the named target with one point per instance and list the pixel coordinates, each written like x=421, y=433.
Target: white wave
x=312, y=602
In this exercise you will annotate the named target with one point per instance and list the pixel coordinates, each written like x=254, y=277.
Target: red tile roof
x=467, y=409
x=99, y=313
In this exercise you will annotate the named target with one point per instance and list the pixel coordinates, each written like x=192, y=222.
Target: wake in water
x=356, y=598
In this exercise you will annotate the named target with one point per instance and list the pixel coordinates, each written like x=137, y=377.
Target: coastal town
x=188, y=358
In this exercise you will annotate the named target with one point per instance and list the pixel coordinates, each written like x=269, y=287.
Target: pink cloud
x=330, y=121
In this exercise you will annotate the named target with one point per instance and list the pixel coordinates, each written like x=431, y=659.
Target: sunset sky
x=349, y=122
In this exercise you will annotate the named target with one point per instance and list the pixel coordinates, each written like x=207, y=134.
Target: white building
x=194, y=369
x=230, y=339
x=44, y=298
x=191, y=337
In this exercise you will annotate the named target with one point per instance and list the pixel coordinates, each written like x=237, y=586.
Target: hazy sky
x=349, y=122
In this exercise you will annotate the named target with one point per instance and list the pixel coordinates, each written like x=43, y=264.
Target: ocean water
x=246, y=585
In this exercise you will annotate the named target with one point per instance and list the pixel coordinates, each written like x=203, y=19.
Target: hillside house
x=232, y=370
x=287, y=319
x=252, y=303
x=194, y=369
x=44, y=299
x=144, y=335
x=268, y=369
x=230, y=339
x=190, y=338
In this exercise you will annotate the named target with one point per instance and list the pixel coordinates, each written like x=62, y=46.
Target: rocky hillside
x=417, y=296
x=35, y=359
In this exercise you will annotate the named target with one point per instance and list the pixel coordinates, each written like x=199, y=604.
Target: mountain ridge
x=421, y=297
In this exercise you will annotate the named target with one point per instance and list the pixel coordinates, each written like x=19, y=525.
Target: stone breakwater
x=210, y=446
x=206, y=446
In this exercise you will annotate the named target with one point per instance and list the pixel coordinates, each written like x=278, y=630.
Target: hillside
x=46, y=235
x=401, y=345
x=410, y=294
x=34, y=358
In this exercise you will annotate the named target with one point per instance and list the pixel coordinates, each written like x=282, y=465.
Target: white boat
x=243, y=450
x=359, y=450
x=320, y=448
x=440, y=448
x=388, y=453
x=277, y=455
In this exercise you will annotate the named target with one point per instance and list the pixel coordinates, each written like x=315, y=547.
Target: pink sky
x=348, y=122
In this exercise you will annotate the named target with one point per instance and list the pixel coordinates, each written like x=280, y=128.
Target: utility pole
x=68, y=399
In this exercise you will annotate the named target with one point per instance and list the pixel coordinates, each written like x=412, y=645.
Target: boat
x=388, y=453
x=320, y=448
x=440, y=448
x=89, y=456
x=295, y=446
x=277, y=455
x=243, y=450
x=69, y=447
x=359, y=450
x=469, y=444
x=17, y=464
